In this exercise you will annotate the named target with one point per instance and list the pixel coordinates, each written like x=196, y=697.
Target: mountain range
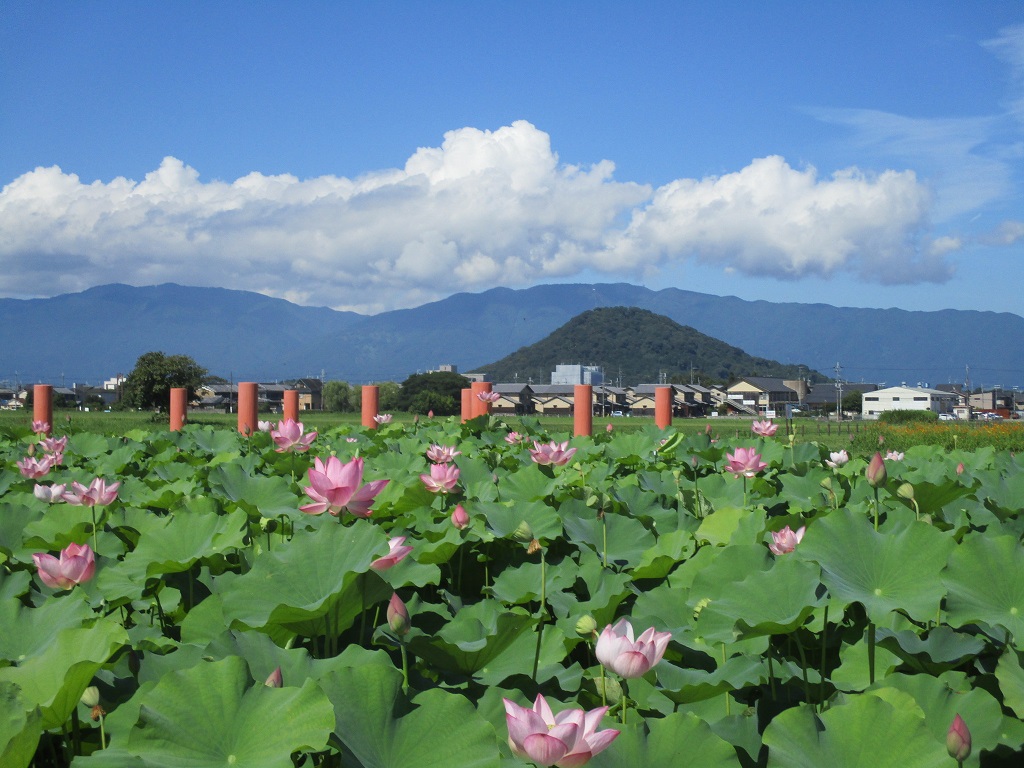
x=92, y=335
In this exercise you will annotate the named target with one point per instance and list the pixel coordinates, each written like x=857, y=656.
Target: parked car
x=947, y=417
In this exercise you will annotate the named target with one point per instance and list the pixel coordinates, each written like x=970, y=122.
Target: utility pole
x=839, y=393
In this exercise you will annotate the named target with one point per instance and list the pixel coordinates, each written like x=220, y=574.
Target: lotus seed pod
x=523, y=533
x=91, y=696
x=906, y=491
x=586, y=626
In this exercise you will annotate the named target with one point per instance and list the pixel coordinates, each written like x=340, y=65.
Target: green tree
x=339, y=396
x=444, y=388
x=388, y=395
x=150, y=382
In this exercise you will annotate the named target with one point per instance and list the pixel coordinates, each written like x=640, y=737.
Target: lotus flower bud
x=608, y=428
x=460, y=518
x=275, y=679
x=586, y=626
x=958, y=740
x=91, y=696
x=875, y=473
x=906, y=491
x=960, y=468
x=398, y=616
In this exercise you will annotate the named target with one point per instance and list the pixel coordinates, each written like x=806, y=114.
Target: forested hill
x=636, y=346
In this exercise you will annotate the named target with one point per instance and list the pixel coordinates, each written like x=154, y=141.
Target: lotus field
x=460, y=595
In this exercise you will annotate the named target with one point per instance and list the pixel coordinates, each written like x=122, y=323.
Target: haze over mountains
x=90, y=336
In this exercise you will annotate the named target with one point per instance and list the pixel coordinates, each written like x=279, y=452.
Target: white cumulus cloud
x=485, y=208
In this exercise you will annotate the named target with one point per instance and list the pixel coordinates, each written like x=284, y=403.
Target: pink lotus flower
x=76, y=565
x=398, y=616
x=785, y=541
x=97, y=494
x=958, y=740
x=513, y=438
x=875, y=473
x=34, y=468
x=617, y=650
x=264, y=426
x=894, y=456
x=335, y=487
x=289, y=437
x=488, y=397
x=608, y=428
x=764, y=428
x=442, y=478
x=838, y=459
x=275, y=679
x=745, y=461
x=41, y=427
x=382, y=418
x=396, y=554
x=49, y=493
x=552, y=453
x=442, y=454
x=54, y=444
x=566, y=740
x=960, y=468
x=460, y=518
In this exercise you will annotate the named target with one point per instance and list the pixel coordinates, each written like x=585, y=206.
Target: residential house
x=904, y=398
x=764, y=395
x=515, y=399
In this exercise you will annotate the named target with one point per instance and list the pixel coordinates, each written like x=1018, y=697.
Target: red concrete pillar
x=663, y=407
x=480, y=407
x=42, y=405
x=247, y=407
x=179, y=407
x=583, y=410
x=291, y=404
x=370, y=398
x=467, y=405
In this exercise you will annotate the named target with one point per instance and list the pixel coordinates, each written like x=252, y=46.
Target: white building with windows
x=577, y=374
x=903, y=398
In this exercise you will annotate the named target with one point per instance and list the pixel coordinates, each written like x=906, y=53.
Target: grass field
x=856, y=436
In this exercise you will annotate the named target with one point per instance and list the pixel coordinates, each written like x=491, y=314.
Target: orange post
x=583, y=410
x=179, y=408
x=480, y=407
x=291, y=404
x=370, y=398
x=247, y=406
x=42, y=405
x=467, y=404
x=663, y=407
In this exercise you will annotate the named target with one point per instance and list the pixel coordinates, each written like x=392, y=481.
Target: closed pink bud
x=275, y=679
x=875, y=473
x=398, y=616
x=960, y=468
x=460, y=518
x=958, y=740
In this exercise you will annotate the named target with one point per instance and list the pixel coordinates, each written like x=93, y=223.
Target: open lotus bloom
x=396, y=554
x=289, y=437
x=567, y=739
x=618, y=651
x=76, y=565
x=764, y=428
x=785, y=541
x=552, y=453
x=837, y=459
x=382, y=418
x=488, y=397
x=41, y=427
x=442, y=478
x=97, y=494
x=513, y=438
x=264, y=426
x=442, y=454
x=745, y=461
x=335, y=487
x=54, y=444
x=894, y=456
x=34, y=468
x=49, y=493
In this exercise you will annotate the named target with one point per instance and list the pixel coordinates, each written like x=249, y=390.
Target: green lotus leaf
x=88, y=445
x=643, y=504
x=776, y=601
x=688, y=685
x=803, y=493
x=622, y=539
x=20, y=728
x=313, y=579
x=185, y=538
x=14, y=585
x=212, y=715
x=505, y=519
x=1010, y=675
x=604, y=589
x=722, y=490
x=55, y=678
x=854, y=672
x=731, y=524
x=14, y=519
x=892, y=569
x=213, y=442
x=63, y=524
x=943, y=698
x=985, y=580
x=267, y=496
x=521, y=584
x=528, y=483
x=380, y=729
x=37, y=626
x=672, y=547
x=942, y=648
x=864, y=732
x=680, y=739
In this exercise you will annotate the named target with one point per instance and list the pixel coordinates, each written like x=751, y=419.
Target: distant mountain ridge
x=636, y=346
x=95, y=334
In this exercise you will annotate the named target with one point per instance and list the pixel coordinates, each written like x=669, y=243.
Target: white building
x=577, y=374
x=903, y=398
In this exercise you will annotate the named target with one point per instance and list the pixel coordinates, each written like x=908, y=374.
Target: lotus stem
x=871, y=652
x=76, y=735
x=876, y=507
x=824, y=636
x=103, y=733
x=803, y=667
x=604, y=692
x=604, y=535
x=92, y=508
x=542, y=611
x=771, y=670
x=728, y=699
x=405, y=667
x=624, y=701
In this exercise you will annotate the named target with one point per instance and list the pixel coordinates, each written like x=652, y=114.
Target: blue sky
x=372, y=156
